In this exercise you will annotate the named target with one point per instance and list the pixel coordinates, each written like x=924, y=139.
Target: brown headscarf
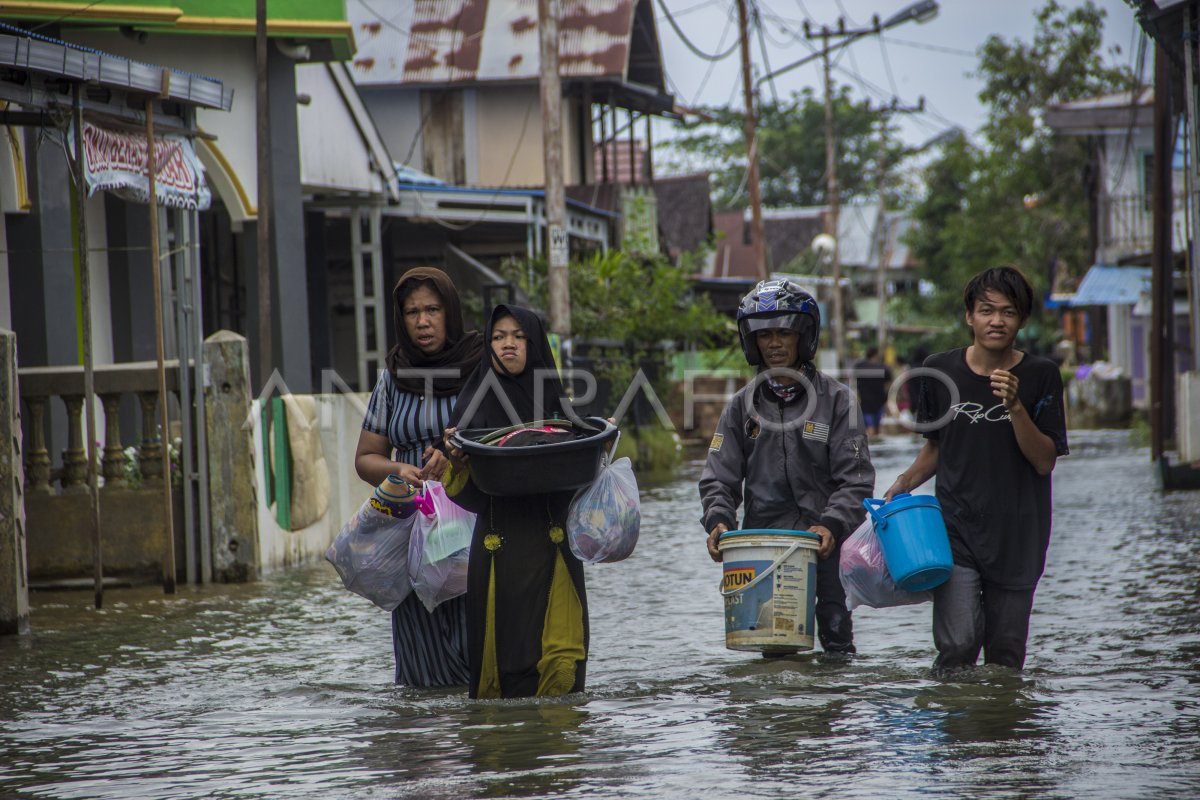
x=462, y=349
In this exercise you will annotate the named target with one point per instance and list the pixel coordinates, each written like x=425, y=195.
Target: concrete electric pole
x=556, y=204
x=757, y=237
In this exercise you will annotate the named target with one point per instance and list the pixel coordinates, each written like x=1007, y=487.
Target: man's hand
x=899, y=486
x=713, y=536
x=827, y=540
x=1004, y=386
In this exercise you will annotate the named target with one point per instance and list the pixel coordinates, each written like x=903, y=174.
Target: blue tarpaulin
x=1111, y=286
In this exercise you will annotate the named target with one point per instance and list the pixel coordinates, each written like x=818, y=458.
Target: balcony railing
x=1126, y=224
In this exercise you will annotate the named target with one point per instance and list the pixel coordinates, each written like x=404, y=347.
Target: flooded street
x=283, y=688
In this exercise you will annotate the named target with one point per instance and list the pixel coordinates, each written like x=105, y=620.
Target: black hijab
x=461, y=350
x=481, y=395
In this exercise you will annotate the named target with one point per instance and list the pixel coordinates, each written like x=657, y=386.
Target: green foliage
x=1018, y=196
x=639, y=302
x=791, y=137
x=635, y=299
x=655, y=452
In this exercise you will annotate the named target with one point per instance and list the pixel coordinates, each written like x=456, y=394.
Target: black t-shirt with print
x=996, y=506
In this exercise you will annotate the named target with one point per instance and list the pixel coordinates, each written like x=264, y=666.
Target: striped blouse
x=411, y=422
x=430, y=648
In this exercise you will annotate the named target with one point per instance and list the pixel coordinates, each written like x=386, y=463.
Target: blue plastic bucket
x=913, y=536
x=769, y=582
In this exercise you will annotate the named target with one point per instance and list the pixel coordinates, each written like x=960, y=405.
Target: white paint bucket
x=769, y=582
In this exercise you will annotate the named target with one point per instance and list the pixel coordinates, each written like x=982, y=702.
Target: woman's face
x=509, y=345
x=425, y=319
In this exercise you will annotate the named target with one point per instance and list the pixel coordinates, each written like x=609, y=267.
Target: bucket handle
x=786, y=555
x=871, y=504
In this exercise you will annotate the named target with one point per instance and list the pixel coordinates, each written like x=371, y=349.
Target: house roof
x=1118, y=111
x=27, y=51
x=684, y=211
x=426, y=43
x=1111, y=286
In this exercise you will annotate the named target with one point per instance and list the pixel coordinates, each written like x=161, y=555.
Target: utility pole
x=263, y=144
x=920, y=11
x=881, y=224
x=833, y=197
x=556, y=203
x=757, y=237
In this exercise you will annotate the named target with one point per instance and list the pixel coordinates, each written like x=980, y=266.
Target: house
x=453, y=88
x=1113, y=298
x=188, y=37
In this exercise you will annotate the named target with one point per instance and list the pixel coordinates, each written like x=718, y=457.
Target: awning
x=1111, y=286
x=116, y=161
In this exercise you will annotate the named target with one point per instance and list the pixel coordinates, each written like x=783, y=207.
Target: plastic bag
x=439, y=547
x=865, y=576
x=604, y=519
x=370, y=554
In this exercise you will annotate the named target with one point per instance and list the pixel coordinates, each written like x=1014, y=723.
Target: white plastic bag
x=370, y=554
x=865, y=576
x=604, y=519
x=438, y=549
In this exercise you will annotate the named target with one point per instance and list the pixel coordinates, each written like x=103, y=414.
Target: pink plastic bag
x=439, y=547
x=865, y=576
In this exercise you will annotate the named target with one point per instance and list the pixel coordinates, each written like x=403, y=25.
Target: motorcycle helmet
x=778, y=304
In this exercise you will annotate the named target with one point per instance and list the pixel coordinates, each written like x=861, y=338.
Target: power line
x=887, y=66
x=688, y=42
x=762, y=45
x=712, y=64
x=936, y=48
x=73, y=13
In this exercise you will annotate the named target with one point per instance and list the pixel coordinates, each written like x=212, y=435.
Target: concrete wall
x=340, y=419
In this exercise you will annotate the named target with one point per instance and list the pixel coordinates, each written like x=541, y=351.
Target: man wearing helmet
x=790, y=446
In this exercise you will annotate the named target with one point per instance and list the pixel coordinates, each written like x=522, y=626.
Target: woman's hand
x=456, y=455
x=410, y=473
x=435, y=464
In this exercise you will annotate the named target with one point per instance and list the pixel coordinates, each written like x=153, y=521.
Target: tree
x=637, y=301
x=792, y=149
x=1018, y=196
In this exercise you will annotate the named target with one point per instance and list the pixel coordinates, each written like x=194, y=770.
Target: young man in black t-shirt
x=994, y=426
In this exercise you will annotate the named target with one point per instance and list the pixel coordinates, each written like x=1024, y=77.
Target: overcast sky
x=933, y=59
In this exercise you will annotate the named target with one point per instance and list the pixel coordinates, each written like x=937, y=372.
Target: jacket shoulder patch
x=715, y=445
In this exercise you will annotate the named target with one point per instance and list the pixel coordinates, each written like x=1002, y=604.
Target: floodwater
x=283, y=688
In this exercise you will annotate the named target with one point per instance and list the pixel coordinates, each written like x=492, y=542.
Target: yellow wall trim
x=23, y=201
x=91, y=11
x=249, y=209
x=275, y=27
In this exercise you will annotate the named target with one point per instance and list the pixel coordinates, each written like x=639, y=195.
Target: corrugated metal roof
x=457, y=41
x=1111, y=286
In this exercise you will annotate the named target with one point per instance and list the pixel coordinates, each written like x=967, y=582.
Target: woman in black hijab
x=527, y=618
x=404, y=422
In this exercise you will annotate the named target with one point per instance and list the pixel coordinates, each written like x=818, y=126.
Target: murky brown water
x=282, y=688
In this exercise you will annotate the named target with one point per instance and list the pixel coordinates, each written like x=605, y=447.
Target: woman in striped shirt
x=408, y=410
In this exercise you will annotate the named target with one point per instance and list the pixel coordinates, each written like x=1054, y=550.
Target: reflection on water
x=282, y=688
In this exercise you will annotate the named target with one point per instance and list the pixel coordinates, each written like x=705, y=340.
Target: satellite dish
x=823, y=244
